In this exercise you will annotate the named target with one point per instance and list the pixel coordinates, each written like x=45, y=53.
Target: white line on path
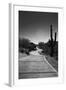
x=49, y=64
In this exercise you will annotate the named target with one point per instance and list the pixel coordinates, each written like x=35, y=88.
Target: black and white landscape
x=38, y=44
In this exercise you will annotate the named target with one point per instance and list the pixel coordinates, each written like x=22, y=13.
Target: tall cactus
x=55, y=36
x=51, y=33
x=51, y=37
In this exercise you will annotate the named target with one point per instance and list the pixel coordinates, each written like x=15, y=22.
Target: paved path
x=37, y=52
x=35, y=66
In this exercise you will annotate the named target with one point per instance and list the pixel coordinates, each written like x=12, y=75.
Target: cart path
x=35, y=66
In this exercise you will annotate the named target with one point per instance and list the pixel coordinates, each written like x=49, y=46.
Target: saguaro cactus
x=51, y=37
x=51, y=33
x=55, y=36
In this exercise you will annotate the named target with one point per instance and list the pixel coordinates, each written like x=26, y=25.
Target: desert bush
x=24, y=43
x=25, y=46
x=41, y=45
x=32, y=47
x=46, y=48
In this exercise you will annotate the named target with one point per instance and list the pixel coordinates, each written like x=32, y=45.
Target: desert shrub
x=46, y=48
x=24, y=43
x=25, y=46
x=41, y=45
x=32, y=47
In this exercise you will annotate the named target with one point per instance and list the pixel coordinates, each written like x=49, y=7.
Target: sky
x=35, y=26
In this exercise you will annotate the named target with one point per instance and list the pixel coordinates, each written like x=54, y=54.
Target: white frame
x=13, y=44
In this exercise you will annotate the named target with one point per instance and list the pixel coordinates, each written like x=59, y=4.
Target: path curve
x=34, y=66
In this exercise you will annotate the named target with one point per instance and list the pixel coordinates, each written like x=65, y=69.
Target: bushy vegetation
x=25, y=46
x=46, y=48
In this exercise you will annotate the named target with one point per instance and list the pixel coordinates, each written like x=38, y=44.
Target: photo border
x=13, y=60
